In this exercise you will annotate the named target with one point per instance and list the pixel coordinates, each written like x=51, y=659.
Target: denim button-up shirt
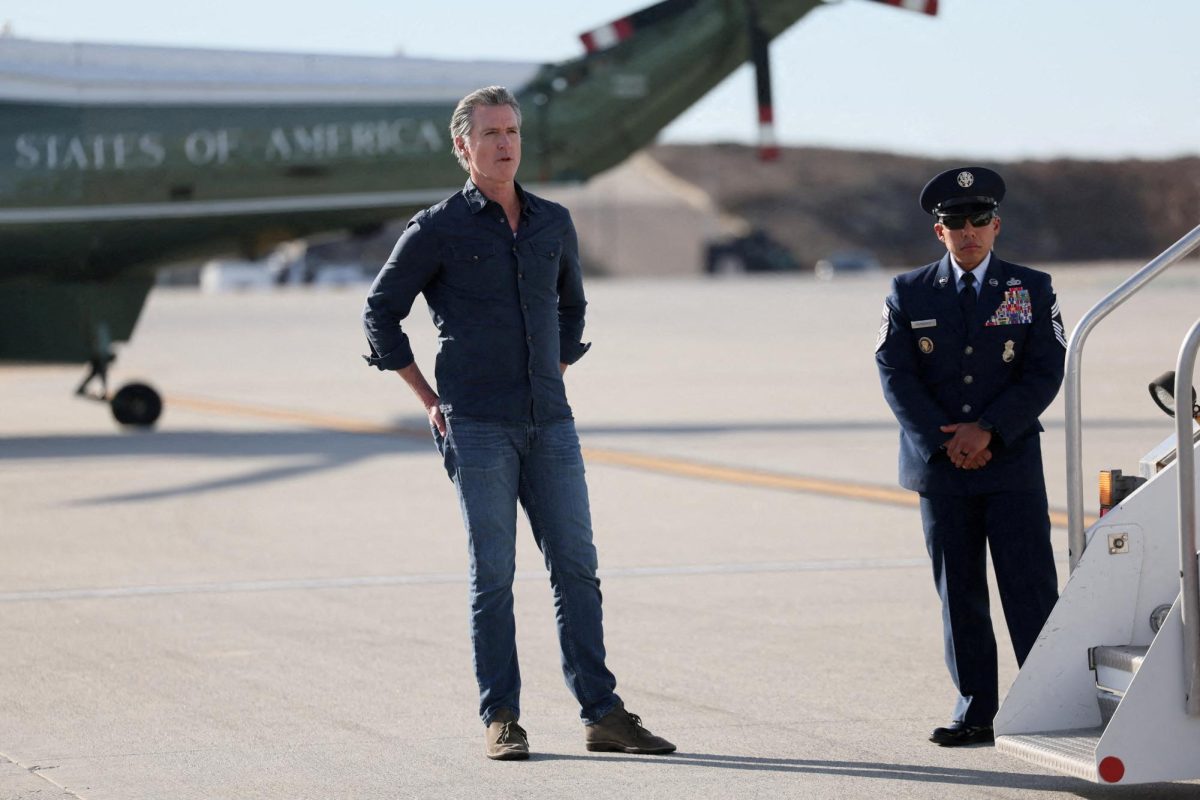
x=507, y=308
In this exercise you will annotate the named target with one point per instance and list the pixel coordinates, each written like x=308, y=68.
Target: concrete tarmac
x=266, y=597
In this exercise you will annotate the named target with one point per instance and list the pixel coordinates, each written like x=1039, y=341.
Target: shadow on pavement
x=318, y=449
x=920, y=773
x=308, y=452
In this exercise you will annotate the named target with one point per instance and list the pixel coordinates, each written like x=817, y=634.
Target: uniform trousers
x=959, y=531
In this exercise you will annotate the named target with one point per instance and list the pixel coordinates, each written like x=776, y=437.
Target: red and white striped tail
x=608, y=35
x=929, y=7
x=614, y=33
x=768, y=145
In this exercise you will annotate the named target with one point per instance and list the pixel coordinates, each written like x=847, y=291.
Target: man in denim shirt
x=499, y=269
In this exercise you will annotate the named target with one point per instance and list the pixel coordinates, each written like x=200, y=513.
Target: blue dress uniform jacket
x=1004, y=366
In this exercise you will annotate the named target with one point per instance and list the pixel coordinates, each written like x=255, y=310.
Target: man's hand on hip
x=425, y=393
x=436, y=417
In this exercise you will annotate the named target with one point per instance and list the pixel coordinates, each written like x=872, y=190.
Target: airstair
x=1110, y=692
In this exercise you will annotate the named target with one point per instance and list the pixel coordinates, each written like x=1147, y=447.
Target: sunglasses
x=959, y=221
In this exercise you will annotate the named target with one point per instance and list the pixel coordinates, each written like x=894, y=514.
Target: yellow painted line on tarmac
x=773, y=480
x=329, y=422
x=678, y=467
x=750, y=477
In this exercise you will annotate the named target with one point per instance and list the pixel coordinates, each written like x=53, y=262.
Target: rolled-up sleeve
x=413, y=264
x=571, y=302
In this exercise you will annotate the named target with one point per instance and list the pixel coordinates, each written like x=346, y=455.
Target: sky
x=986, y=79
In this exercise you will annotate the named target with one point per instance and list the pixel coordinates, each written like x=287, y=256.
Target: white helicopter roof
x=93, y=74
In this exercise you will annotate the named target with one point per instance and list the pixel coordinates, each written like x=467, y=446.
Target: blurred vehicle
x=754, y=252
x=342, y=275
x=233, y=275
x=848, y=262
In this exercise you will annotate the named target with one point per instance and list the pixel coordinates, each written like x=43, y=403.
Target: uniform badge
x=942, y=281
x=1009, y=354
x=993, y=282
x=1014, y=281
x=926, y=345
x=965, y=179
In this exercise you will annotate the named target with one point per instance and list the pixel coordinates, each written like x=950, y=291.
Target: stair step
x=1127, y=657
x=1108, y=702
x=1115, y=665
x=1069, y=752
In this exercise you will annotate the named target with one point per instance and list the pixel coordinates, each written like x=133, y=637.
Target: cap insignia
x=965, y=179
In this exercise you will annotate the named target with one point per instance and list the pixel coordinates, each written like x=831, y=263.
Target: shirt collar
x=979, y=272
x=477, y=200
x=529, y=203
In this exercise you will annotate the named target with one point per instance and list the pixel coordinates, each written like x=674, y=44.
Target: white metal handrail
x=1189, y=575
x=1076, y=538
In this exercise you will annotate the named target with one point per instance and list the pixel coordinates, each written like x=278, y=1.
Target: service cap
x=963, y=190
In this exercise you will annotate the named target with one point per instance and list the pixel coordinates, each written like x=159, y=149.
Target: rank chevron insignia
x=1057, y=323
x=883, y=330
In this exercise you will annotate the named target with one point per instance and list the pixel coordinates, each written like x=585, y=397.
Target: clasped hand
x=968, y=446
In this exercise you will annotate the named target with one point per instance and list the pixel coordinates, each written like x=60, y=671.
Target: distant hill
x=818, y=201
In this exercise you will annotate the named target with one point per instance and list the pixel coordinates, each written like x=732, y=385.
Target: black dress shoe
x=956, y=734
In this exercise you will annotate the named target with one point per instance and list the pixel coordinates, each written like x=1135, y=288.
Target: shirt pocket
x=546, y=255
x=470, y=267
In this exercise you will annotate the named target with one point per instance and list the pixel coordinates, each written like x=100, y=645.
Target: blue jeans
x=494, y=465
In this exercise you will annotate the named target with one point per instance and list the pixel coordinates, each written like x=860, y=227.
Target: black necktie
x=967, y=297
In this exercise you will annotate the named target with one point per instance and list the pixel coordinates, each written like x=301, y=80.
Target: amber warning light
x=1115, y=487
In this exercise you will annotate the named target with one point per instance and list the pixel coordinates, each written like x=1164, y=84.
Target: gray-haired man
x=499, y=269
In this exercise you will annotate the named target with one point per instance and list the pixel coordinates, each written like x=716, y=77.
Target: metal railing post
x=1072, y=381
x=1185, y=462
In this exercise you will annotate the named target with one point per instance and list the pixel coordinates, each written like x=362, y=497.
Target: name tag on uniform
x=924, y=323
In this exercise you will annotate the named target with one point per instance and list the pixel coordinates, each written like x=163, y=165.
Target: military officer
x=970, y=352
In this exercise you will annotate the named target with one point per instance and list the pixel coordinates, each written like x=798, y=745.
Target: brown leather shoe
x=505, y=740
x=618, y=731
